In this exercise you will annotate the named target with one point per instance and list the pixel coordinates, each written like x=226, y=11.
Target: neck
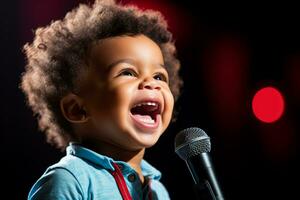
x=135, y=163
x=132, y=157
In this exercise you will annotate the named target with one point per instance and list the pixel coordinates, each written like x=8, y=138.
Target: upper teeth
x=146, y=103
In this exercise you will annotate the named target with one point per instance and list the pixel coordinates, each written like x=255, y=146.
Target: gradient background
x=228, y=51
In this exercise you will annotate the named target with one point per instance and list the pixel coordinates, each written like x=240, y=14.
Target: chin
x=150, y=140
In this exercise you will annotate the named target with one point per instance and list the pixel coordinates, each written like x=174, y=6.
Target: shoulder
x=67, y=179
x=57, y=183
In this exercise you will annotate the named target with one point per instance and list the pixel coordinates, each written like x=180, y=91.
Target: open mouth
x=146, y=114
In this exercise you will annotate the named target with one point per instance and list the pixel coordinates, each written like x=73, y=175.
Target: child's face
x=126, y=92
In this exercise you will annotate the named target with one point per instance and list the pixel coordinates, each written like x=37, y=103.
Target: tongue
x=144, y=118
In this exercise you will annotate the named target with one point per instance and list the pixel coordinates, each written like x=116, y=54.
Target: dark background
x=228, y=51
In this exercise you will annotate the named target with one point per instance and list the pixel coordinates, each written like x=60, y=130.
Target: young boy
x=102, y=82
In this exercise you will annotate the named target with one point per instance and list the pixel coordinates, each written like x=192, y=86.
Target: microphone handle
x=202, y=172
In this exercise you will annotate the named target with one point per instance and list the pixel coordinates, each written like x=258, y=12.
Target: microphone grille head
x=191, y=142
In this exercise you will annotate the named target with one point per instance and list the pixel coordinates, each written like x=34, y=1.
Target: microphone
x=193, y=146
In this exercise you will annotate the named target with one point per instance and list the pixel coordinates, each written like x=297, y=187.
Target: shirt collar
x=89, y=155
x=149, y=171
x=106, y=162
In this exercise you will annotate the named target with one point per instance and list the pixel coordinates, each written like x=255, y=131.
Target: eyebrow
x=125, y=60
x=129, y=61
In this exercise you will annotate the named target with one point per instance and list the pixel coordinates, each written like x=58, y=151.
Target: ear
x=72, y=108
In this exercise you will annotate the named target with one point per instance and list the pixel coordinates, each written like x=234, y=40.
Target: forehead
x=139, y=48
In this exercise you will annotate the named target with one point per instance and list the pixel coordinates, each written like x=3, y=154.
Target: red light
x=268, y=104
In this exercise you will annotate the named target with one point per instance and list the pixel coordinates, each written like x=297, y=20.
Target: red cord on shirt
x=119, y=178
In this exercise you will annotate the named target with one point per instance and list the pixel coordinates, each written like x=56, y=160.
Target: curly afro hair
x=55, y=58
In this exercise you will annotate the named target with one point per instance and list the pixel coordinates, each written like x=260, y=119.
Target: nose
x=150, y=84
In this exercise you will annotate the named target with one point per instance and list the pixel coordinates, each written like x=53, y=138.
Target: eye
x=161, y=77
x=127, y=72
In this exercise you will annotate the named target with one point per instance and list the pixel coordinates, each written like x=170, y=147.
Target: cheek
x=169, y=104
x=112, y=106
x=106, y=103
x=121, y=96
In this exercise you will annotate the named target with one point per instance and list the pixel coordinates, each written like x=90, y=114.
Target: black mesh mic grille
x=190, y=142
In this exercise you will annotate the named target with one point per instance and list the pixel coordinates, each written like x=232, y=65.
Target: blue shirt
x=84, y=174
